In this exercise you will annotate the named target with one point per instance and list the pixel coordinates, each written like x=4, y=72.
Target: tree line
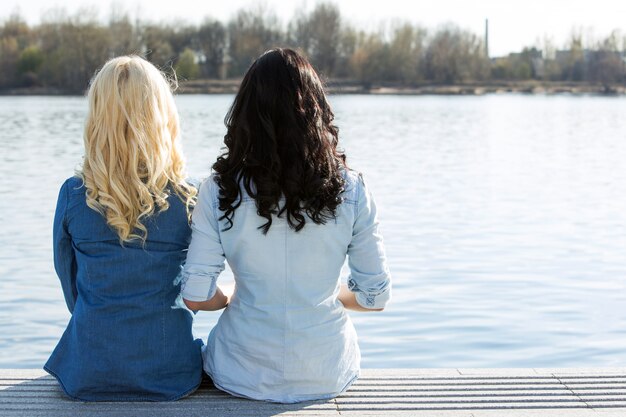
x=63, y=51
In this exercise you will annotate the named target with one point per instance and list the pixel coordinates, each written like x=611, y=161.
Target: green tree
x=187, y=68
x=30, y=60
x=28, y=66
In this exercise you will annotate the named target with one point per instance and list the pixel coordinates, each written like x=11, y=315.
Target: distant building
x=519, y=65
x=602, y=65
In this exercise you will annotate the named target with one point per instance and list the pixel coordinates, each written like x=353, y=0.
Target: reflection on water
x=504, y=219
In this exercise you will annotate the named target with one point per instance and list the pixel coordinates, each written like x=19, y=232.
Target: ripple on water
x=503, y=219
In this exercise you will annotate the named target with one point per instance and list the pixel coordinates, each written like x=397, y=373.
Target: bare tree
x=211, y=43
x=73, y=48
x=318, y=34
x=124, y=38
x=64, y=50
x=156, y=42
x=406, y=53
x=454, y=55
x=15, y=36
x=251, y=32
x=605, y=63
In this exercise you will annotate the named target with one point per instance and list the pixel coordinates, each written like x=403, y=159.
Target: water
x=504, y=220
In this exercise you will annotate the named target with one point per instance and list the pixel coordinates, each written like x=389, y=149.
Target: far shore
x=230, y=86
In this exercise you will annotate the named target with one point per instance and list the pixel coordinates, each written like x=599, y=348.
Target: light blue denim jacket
x=123, y=342
x=285, y=337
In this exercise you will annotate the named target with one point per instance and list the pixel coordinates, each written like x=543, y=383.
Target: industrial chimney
x=487, y=38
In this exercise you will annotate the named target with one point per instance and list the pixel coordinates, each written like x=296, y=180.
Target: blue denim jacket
x=124, y=342
x=285, y=336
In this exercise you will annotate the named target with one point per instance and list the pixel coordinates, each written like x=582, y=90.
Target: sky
x=511, y=27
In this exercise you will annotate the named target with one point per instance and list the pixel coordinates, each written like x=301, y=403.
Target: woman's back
x=120, y=237
x=124, y=341
x=284, y=210
x=285, y=336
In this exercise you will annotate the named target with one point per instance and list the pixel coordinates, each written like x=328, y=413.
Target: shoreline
x=230, y=86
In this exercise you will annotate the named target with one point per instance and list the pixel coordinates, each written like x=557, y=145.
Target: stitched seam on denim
x=358, y=196
x=67, y=202
x=164, y=340
x=214, y=198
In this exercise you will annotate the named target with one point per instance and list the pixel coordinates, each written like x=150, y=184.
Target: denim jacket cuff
x=371, y=301
x=198, y=286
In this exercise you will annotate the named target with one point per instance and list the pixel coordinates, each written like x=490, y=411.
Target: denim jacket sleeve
x=369, y=276
x=64, y=258
x=205, y=259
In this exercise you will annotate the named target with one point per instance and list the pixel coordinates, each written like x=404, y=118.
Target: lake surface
x=504, y=219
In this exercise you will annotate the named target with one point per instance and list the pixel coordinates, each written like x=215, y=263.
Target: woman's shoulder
x=208, y=191
x=73, y=192
x=193, y=182
x=74, y=185
x=208, y=185
x=354, y=184
x=353, y=178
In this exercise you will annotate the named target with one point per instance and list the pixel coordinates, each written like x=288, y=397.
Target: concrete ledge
x=379, y=392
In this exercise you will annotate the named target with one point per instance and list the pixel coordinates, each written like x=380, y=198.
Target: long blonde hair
x=133, y=159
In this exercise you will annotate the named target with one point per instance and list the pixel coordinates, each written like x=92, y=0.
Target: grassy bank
x=230, y=86
x=353, y=87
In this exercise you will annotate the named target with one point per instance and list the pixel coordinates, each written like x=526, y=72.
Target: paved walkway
x=379, y=392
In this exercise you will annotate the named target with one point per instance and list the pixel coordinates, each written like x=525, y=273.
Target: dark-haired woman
x=285, y=211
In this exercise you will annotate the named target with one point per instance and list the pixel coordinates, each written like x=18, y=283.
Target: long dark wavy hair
x=281, y=142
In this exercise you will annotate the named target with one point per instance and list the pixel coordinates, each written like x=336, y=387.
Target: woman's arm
x=64, y=258
x=369, y=283
x=205, y=257
x=348, y=299
x=217, y=302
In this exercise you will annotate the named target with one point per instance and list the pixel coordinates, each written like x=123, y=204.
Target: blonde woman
x=120, y=236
